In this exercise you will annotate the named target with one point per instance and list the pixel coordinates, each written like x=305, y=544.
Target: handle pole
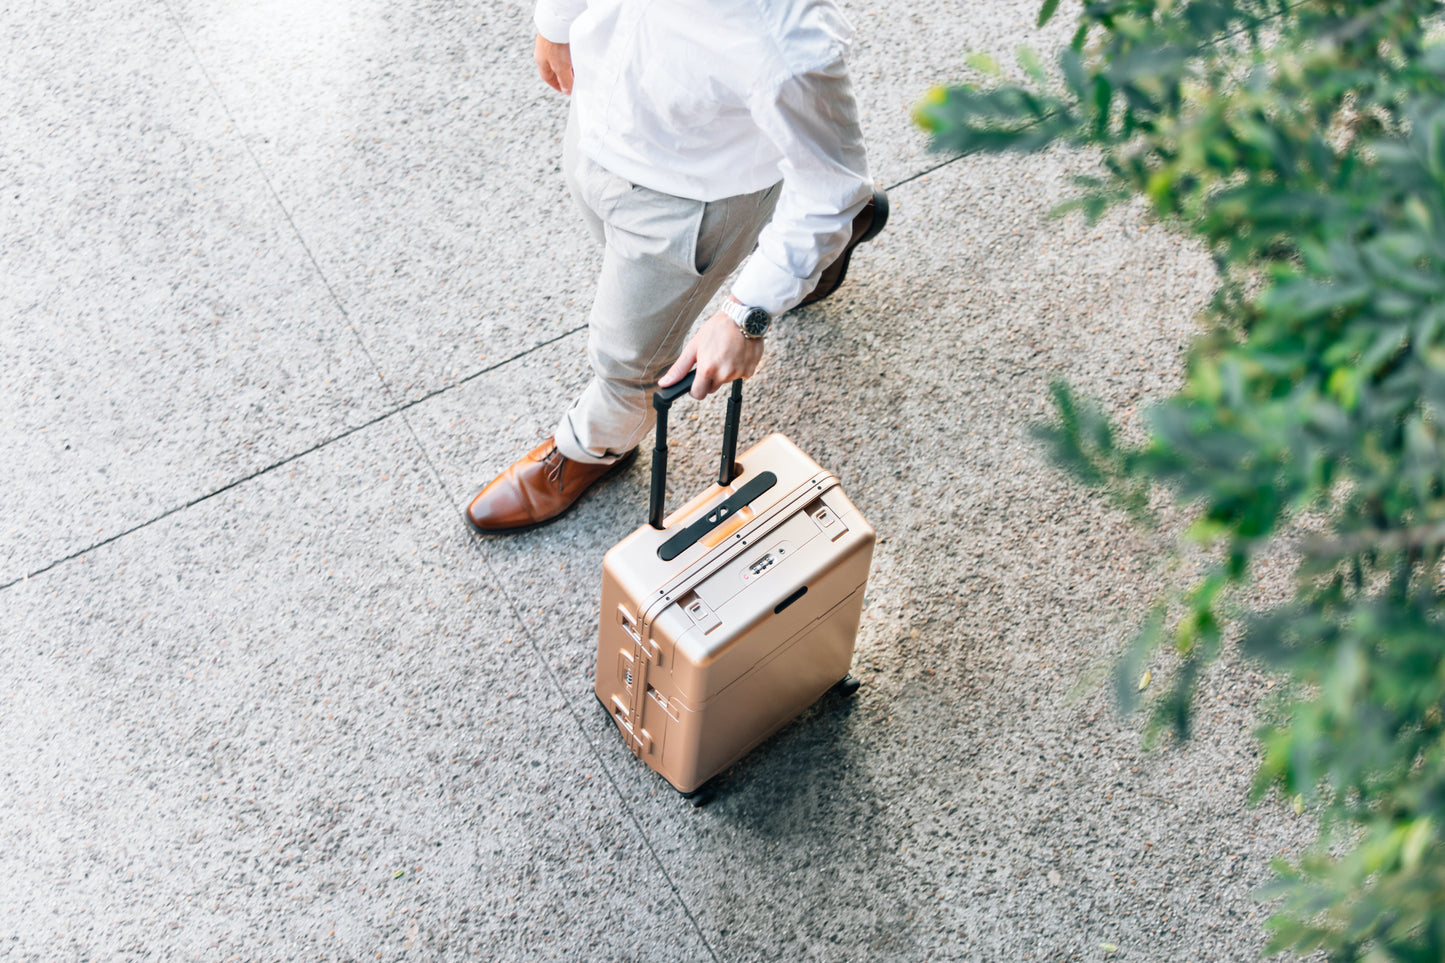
x=725, y=472
x=659, y=479
x=662, y=400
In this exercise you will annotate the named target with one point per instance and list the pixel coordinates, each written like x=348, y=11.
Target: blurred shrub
x=1304, y=145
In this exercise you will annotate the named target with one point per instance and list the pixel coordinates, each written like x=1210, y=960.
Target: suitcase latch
x=703, y=616
x=828, y=521
x=629, y=624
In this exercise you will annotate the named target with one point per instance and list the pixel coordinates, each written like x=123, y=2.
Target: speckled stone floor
x=284, y=282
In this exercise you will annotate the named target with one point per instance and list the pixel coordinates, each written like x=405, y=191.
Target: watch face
x=756, y=323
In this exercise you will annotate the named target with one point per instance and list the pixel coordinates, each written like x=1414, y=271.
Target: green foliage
x=1304, y=145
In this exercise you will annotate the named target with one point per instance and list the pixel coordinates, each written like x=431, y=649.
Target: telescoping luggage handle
x=662, y=401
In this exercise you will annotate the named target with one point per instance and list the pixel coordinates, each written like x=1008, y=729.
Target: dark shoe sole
x=617, y=466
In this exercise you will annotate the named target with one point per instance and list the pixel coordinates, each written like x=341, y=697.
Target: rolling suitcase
x=726, y=620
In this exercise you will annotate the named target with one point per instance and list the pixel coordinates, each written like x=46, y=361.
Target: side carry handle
x=662, y=401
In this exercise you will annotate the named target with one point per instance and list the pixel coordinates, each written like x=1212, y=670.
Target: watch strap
x=742, y=314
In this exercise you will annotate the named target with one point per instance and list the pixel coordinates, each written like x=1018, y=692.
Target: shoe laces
x=554, y=462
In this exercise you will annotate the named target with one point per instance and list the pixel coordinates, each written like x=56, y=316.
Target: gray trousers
x=664, y=258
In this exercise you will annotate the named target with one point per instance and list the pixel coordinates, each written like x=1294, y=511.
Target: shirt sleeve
x=554, y=18
x=813, y=119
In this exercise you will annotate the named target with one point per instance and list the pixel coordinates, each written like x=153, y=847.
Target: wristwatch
x=752, y=322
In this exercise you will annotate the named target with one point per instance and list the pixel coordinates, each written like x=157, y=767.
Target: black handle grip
x=662, y=400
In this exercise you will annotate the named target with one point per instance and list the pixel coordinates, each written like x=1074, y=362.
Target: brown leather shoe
x=536, y=489
x=866, y=225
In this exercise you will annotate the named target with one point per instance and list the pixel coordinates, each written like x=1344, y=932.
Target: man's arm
x=554, y=63
x=813, y=119
x=552, y=53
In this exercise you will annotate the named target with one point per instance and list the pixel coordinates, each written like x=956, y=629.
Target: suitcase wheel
x=846, y=686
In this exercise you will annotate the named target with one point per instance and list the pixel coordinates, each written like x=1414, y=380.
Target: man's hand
x=554, y=61
x=720, y=353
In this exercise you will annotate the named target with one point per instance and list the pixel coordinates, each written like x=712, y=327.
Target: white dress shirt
x=708, y=99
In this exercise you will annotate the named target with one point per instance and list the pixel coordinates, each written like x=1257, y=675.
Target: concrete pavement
x=283, y=283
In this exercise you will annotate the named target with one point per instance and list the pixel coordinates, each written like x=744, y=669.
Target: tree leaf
x=1032, y=66
x=984, y=63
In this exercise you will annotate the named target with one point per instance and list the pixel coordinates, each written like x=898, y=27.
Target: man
x=703, y=134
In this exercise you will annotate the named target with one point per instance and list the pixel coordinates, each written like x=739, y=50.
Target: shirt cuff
x=762, y=284
x=553, y=24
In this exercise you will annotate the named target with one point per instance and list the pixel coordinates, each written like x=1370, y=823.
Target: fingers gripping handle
x=662, y=401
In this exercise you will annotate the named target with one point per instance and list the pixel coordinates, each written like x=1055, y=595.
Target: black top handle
x=662, y=401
